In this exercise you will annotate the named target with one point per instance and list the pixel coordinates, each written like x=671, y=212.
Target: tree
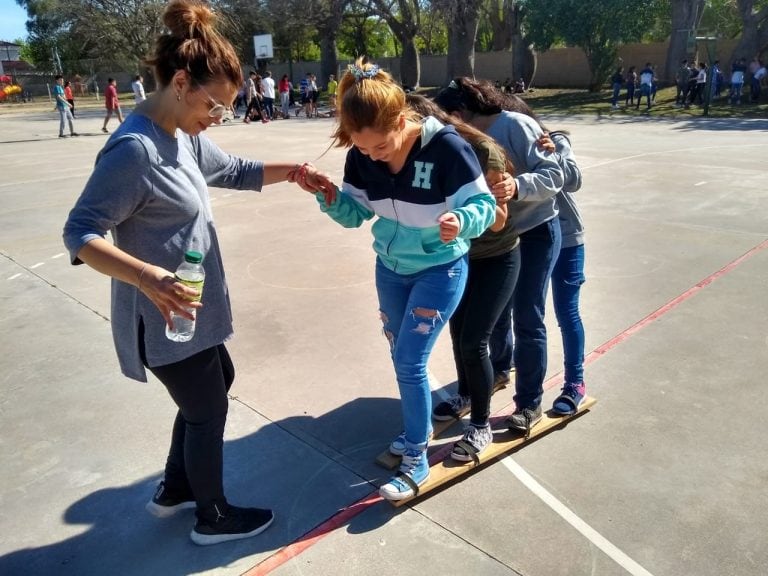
x=116, y=32
x=240, y=21
x=507, y=19
x=722, y=18
x=362, y=34
x=403, y=17
x=754, y=35
x=328, y=15
x=125, y=28
x=461, y=19
x=598, y=27
x=686, y=16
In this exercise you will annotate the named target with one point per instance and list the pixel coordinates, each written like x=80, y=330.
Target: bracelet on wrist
x=141, y=275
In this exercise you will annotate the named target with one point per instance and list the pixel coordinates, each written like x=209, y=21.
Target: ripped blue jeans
x=414, y=309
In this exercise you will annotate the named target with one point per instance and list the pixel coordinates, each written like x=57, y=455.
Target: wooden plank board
x=448, y=468
x=389, y=461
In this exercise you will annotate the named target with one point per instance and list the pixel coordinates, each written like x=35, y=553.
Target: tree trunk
x=523, y=56
x=501, y=24
x=328, y=29
x=403, y=18
x=410, y=65
x=754, y=31
x=686, y=16
x=462, y=31
x=328, y=62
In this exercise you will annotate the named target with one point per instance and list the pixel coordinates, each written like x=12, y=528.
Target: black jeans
x=490, y=285
x=199, y=386
x=254, y=104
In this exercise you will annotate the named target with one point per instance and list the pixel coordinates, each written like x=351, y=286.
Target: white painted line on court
x=436, y=386
x=51, y=179
x=700, y=183
x=662, y=152
x=569, y=516
x=59, y=255
x=14, y=276
x=37, y=265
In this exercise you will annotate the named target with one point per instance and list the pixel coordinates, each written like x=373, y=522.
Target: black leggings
x=199, y=386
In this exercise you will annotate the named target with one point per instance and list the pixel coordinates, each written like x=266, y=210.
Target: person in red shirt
x=112, y=103
x=69, y=97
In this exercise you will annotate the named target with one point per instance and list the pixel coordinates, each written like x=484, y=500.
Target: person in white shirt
x=646, y=85
x=268, y=93
x=757, y=78
x=701, y=82
x=138, y=89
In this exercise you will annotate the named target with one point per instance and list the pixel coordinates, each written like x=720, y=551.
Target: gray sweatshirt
x=537, y=174
x=571, y=224
x=150, y=190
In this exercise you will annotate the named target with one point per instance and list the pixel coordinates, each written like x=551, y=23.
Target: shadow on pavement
x=286, y=466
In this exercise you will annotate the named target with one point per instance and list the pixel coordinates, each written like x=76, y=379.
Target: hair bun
x=187, y=19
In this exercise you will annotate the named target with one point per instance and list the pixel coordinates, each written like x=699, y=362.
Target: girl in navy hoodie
x=424, y=185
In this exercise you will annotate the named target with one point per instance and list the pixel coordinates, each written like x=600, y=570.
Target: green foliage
x=597, y=26
x=721, y=18
x=432, y=37
x=361, y=34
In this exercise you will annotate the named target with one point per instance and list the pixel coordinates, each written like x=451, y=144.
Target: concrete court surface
x=666, y=475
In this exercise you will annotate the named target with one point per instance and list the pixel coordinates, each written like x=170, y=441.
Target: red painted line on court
x=310, y=538
x=612, y=343
x=345, y=514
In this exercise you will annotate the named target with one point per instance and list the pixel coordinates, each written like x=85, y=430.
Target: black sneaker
x=455, y=407
x=523, y=420
x=236, y=524
x=500, y=381
x=164, y=504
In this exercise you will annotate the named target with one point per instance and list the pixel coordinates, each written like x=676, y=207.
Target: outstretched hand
x=309, y=178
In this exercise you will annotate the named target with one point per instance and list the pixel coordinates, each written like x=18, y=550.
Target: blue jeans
x=65, y=116
x=539, y=248
x=630, y=94
x=269, y=107
x=414, y=309
x=645, y=90
x=616, y=90
x=490, y=285
x=567, y=278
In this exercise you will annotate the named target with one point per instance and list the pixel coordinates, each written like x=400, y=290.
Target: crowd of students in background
x=691, y=79
x=257, y=97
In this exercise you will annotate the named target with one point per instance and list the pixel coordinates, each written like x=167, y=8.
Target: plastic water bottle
x=191, y=273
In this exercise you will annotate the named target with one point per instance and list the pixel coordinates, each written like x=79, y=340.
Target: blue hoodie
x=441, y=174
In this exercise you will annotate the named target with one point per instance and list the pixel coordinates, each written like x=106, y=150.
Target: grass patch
x=561, y=101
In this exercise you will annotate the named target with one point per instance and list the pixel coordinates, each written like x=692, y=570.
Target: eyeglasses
x=217, y=110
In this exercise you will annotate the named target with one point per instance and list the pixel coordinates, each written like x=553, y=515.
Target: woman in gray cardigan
x=149, y=188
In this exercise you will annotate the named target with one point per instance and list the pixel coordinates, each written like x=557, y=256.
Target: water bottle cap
x=193, y=257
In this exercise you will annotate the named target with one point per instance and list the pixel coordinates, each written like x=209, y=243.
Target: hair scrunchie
x=361, y=74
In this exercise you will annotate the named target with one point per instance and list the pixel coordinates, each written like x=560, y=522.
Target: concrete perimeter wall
x=560, y=68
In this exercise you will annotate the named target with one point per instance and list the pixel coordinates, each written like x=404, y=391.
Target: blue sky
x=12, y=19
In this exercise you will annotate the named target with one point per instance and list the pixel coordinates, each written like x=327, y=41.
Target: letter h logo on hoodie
x=422, y=177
